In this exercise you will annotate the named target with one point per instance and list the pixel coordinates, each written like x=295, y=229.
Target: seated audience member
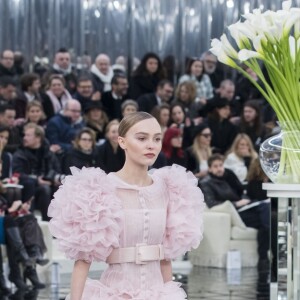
x=23, y=239
x=172, y=146
x=30, y=87
x=146, y=76
x=245, y=88
x=221, y=185
x=113, y=99
x=62, y=128
x=197, y=155
x=223, y=131
x=186, y=96
x=227, y=91
x=7, y=64
x=62, y=66
x=240, y=156
x=163, y=94
x=111, y=156
x=96, y=119
x=7, y=90
x=102, y=74
x=36, y=164
x=251, y=123
x=56, y=96
x=85, y=92
x=128, y=107
x=34, y=114
x=212, y=68
x=256, y=177
x=162, y=114
x=7, y=118
x=195, y=73
x=178, y=119
x=83, y=153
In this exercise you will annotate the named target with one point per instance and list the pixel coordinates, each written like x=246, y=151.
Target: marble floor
x=199, y=283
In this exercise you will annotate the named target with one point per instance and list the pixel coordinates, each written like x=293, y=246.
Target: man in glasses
x=7, y=64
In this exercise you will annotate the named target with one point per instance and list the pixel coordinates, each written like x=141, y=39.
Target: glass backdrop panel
x=179, y=28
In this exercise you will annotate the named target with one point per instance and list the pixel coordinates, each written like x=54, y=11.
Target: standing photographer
x=37, y=167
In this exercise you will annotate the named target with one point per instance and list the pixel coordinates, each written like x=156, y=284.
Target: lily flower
x=245, y=54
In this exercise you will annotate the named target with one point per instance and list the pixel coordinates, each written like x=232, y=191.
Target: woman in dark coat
x=146, y=76
x=83, y=153
x=111, y=156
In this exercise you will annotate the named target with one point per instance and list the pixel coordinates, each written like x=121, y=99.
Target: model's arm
x=166, y=270
x=79, y=275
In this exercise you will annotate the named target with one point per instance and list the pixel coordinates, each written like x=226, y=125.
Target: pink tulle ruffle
x=95, y=290
x=86, y=215
x=184, y=229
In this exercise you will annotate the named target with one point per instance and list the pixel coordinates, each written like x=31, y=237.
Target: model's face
x=249, y=114
x=85, y=142
x=197, y=68
x=57, y=87
x=152, y=65
x=177, y=115
x=204, y=138
x=34, y=114
x=164, y=116
x=129, y=109
x=217, y=168
x=142, y=142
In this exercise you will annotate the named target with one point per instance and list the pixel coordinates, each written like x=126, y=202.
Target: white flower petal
x=286, y=5
x=245, y=54
x=292, y=45
x=229, y=50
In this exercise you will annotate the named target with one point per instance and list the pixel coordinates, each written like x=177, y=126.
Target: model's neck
x=135, y=174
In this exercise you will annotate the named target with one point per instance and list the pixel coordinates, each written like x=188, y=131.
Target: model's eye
x=141, y=138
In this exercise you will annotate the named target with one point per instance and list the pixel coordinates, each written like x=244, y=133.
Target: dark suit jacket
x=147, y=102
x=112, y=106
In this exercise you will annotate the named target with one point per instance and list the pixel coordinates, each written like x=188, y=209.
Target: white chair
x=220, y=237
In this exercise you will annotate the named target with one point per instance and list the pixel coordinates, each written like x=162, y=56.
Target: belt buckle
x=138, y=254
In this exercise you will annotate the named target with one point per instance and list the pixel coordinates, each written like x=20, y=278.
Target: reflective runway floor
x=199, y=283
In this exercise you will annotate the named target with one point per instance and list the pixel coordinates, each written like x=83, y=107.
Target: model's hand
x=242, y=202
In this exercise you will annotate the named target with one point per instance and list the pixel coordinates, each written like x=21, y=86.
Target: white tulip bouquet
x=271, y=39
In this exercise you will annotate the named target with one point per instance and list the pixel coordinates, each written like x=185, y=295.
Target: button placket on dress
x=145, y=235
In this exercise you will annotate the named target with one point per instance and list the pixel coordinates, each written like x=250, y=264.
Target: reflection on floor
x=199, y=283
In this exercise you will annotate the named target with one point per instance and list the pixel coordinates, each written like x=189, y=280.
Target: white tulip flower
x=245, y=54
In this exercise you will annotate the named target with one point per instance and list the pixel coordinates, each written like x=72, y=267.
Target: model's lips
x=150, y=155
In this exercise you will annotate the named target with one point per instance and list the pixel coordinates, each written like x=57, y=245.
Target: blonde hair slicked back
x=131, y=120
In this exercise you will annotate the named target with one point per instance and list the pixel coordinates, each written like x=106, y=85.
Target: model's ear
x=121, y=142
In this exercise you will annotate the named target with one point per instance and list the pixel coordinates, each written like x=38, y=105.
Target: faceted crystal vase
x=280, y=155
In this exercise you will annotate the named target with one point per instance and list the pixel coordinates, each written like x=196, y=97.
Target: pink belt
x=140, y=254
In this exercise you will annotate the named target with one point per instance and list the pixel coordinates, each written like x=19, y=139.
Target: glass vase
x=280, y=154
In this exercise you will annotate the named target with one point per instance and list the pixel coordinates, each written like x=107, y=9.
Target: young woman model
x=133, y=220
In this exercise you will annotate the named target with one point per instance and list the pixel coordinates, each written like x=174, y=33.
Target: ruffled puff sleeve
x=184, y=227
x=86, y=215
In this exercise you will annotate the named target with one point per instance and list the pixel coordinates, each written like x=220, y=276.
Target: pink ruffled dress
x=93, y=213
